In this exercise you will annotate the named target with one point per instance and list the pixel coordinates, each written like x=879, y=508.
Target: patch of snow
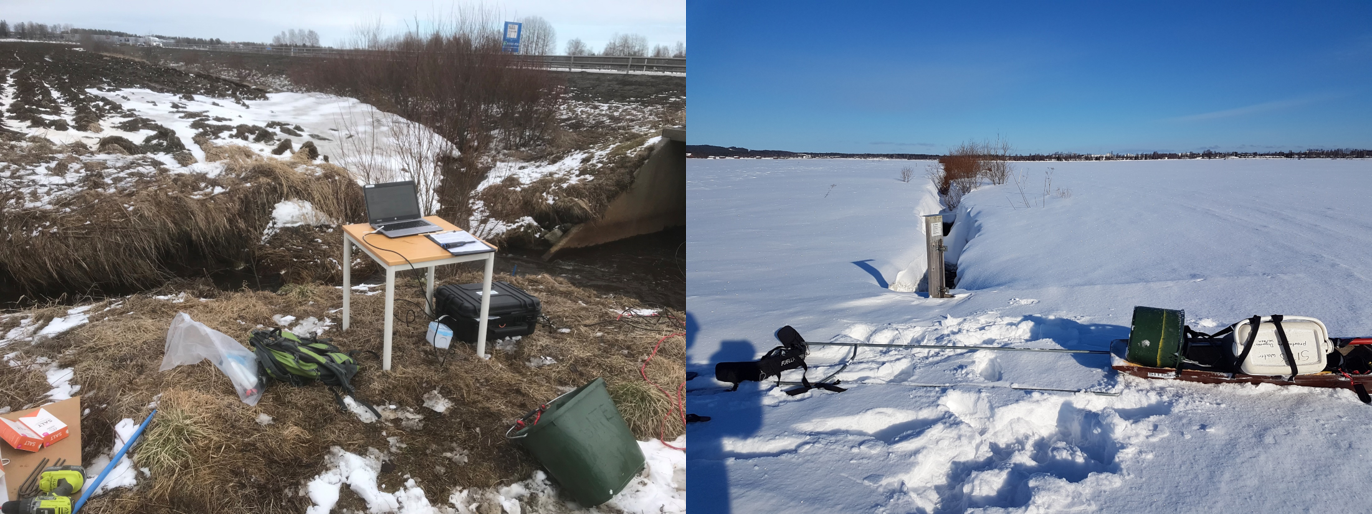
x=312, y=326
x=538, y=362
x=75, y=318
x=458, y=455
x=23, y=332
x=507, y=344
x=60, y=380
x=263, y=419
x=176, y=298
x=436, y=402
x=358, y=410
x=294, y=213
x=124, y=473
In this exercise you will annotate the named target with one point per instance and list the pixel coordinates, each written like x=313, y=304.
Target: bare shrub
x=906, y=174
x=996, y=157
x=452, y=78
x=967, y=165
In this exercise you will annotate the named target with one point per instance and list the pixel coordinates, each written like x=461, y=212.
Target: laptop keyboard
x=405, y=225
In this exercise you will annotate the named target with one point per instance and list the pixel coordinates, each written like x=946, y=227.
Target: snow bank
x=294, y=213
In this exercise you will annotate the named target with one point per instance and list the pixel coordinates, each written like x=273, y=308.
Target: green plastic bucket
x=582, y=441
x=1155, y=337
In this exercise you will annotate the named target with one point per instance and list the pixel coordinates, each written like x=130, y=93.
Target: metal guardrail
x=552, y=62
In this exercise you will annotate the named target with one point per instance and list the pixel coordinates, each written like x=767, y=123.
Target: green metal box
x=1155, y=337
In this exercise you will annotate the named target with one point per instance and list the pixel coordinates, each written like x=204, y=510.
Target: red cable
x=679, y=400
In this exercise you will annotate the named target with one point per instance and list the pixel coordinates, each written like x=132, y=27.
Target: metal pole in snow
x=113, y=463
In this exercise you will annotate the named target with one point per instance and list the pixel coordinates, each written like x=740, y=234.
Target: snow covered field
x=817, y=245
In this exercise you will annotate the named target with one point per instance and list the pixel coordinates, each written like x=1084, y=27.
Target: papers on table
x=458, y=242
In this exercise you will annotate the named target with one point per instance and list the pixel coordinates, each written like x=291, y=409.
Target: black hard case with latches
x=513, y=312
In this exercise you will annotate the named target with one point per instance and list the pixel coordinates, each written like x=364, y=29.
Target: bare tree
x=293, y=37
x=4, y=29
x=679, y=50
x=661, y=51
x=577, y=47
x=906, y=174
x=539, y=37
x=626, y=45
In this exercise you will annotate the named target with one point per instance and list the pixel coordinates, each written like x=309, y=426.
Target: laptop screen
x=391, y=201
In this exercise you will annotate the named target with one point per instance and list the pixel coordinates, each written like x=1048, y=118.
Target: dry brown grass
x=232, y=153
x=137, y=235
x=206, y=452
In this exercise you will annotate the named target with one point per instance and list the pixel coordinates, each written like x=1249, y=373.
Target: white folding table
x=421, y=253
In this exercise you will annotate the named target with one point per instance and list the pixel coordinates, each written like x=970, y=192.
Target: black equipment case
x=513, y=311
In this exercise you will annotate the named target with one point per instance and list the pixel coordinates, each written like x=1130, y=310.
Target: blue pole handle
x=90, y=489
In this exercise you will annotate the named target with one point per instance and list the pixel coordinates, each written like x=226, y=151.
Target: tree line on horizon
x=706, y=151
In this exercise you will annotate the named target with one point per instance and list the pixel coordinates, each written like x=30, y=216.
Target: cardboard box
x=33, y=431
x=22, y=463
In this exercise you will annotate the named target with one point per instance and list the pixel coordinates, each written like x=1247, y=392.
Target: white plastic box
x=1308, y=339
x=439, y=335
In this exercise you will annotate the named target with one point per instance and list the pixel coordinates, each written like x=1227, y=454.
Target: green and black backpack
x=297, y=360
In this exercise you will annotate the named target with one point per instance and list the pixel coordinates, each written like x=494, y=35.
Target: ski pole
x=998, y=386
x=90, y=489
x=960, y=347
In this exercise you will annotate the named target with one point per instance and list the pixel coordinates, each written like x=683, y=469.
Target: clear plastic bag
x=189, y=342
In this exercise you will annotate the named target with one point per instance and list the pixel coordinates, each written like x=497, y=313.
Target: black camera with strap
x=790, y=355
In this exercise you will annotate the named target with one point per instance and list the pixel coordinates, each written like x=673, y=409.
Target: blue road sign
x=512, y=32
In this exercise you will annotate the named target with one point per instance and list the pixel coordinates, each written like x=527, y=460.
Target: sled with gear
x=1276, y=349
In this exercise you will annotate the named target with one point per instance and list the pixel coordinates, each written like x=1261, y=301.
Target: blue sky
x=1093, y=77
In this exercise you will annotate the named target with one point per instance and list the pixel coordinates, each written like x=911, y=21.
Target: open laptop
x=393, y=209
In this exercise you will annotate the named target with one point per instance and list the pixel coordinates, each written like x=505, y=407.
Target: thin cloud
x=1252, y=109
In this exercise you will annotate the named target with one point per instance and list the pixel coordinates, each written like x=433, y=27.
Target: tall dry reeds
x=137, y=236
